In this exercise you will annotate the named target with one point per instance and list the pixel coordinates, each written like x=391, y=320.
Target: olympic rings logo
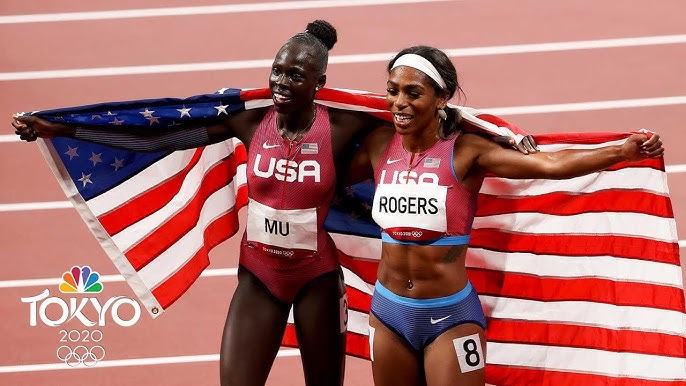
x=288, y=253
x=88, y=357
x=416, y=234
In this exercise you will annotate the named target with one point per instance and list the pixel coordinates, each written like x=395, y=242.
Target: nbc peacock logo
x=80, y=280
x=89, y=310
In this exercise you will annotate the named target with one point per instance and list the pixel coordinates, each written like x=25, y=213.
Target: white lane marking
x=339, y=59
x=200, y=10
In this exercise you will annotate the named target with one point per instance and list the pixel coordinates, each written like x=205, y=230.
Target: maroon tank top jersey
x=419, y=199
x=290, y=188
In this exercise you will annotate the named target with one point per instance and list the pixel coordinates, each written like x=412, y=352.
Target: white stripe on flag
x=623, y=224
x=607, y=267
x=176, y=256
x=563, y=146
x=133, y=234
x=646, y=179
x=586, y=313
x=358, y=322
x=358, y=246
x=140, y=183
x=354, y=281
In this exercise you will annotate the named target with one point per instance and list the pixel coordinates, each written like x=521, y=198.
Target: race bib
x=282, y=229
x=412, y=212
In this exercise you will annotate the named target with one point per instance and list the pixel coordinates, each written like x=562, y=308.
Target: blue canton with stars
x=94, y=168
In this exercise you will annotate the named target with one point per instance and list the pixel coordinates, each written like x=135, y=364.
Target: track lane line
x=202, y=10
x=130, y=362
x=210, y=272
x=343, y=59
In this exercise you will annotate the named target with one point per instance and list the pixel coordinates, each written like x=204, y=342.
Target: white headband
x=421, y=64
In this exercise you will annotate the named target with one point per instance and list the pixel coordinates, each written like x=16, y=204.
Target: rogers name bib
x=411, y=212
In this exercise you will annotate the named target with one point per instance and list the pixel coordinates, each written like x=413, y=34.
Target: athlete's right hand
x=29, y=127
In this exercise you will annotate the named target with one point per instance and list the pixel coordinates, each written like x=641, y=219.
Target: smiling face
x=412, y=99
x=294, y=77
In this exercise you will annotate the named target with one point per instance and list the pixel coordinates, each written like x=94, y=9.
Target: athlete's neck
x=297, y=123
x=421, y=141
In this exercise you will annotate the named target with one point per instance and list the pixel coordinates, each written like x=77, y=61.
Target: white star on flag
x=221, y=109
x=86, y=179
x=118, y=163
x=71, y=152
x=95, y=158
x=184, y=112
x=147, y=113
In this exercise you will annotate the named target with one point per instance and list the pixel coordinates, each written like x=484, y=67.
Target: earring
x=442, y=114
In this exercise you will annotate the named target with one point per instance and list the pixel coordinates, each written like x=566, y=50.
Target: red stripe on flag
x=364, y=268
x=620, y=293
x=577, y=245
x=556, y=334
x=147, y=203
x=175, y=227
x=595, y=138
x=218, y=231
x=358, y=300
x=357, y=345
x=560, y=204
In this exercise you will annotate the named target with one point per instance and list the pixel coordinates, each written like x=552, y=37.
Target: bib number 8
x=470, y=356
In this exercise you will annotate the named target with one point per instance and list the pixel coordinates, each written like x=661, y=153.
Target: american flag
x=309, y=148
x=580, y=279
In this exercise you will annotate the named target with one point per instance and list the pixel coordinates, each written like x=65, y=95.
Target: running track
x=567, y=65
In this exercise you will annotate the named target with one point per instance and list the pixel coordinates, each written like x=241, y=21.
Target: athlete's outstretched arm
x=560, y=164
x=29, y=128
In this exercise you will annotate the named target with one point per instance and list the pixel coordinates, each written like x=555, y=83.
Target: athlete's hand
x=526, y=146
x=29, y=128
x=641, y=146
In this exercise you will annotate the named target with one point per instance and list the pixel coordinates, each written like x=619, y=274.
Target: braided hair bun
x=323, y=31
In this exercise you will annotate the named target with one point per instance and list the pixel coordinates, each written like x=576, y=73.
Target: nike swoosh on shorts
x=434, y=321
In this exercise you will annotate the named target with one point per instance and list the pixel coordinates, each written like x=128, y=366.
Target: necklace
x=298, y=134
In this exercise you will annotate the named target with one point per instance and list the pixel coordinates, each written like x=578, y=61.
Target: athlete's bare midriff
x=423, y=272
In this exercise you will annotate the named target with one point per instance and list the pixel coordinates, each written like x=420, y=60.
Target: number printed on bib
x=470, y=356
x=283, y=228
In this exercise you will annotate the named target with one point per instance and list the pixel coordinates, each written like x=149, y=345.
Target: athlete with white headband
x=421, y=64
x=427, y=326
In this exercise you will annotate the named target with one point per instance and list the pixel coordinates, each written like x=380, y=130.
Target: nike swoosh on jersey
x=265, y=146
x=390, y=161
x=434, y=321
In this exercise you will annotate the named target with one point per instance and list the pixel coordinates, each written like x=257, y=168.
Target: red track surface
x=40, y=244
